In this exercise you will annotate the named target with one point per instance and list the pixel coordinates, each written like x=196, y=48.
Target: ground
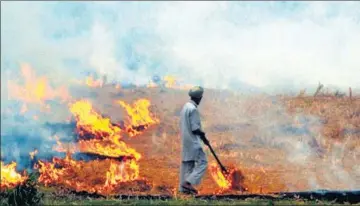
x=280, y=143
x=51, y=198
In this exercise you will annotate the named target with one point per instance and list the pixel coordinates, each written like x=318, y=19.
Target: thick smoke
x=22, y=134
x=299, y=136
x=271, y=46
x=277, y=46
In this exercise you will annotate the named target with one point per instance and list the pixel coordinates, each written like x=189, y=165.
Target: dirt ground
x=280, y=143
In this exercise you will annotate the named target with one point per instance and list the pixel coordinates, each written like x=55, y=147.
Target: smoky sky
x=272, y=45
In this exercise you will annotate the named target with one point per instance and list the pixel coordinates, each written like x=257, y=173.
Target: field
x=304, y=135
x=280, y=144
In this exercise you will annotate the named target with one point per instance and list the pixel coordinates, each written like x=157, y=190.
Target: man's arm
x=196, y=126
x=201, y=135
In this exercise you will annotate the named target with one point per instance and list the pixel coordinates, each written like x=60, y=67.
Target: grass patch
x=188, y=201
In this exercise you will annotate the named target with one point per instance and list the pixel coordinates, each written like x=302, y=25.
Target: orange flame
x=117, y=172
x=107, y=148
x=139, y=116
x=9, y=177
x=170, y=81
x=60, y=147
x=107, y=135
x=87, y=176
x=91, y=82
x=100, y=147
x=90, y=121
x=35, y=90
x=105, y=141
x=219, y=177
x=233, y=180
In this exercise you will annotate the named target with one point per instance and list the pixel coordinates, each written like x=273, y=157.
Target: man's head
x=196, y=94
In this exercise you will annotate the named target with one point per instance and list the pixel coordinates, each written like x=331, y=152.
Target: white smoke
x=273, y=45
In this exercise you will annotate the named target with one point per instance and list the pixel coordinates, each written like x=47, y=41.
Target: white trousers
x=193, y=171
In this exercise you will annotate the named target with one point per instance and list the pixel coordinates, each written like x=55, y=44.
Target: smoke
x=271, y=46
x=324, y=163
x=276, y=46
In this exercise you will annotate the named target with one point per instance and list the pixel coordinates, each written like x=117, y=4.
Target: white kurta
x=194, y=161
x=190, y=121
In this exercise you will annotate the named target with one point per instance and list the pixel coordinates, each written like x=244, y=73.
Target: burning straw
x=234, y=180
x=9, y=177
x=116, y=166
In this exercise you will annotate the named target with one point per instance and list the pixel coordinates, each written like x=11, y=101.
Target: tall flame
x=107, y=136
x=9, y=177
x=97, y=136
x=233, y=180
x=139, y=116
x=90, y=121
x=35, y=89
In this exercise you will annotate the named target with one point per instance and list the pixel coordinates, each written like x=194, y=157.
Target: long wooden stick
x=217, y=159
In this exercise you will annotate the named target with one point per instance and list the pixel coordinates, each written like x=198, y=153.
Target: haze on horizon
x=266, y=45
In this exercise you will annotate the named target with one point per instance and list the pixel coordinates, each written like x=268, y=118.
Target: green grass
x=53, y=196
x=191, y=201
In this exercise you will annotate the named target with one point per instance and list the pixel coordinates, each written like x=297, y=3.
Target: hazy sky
x=216, y=44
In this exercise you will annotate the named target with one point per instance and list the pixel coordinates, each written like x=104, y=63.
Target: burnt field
x=112, y=141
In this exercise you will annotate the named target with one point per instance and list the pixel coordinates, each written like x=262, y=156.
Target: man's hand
x=206, y=141
x=201, y=135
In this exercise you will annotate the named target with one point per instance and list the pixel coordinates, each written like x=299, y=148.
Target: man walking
x=194, y=161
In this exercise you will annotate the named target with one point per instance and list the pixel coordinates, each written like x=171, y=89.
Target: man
x=194, y=161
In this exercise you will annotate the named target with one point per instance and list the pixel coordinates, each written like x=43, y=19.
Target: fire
x=117, y=172
x=33, y=153
x=219, y=177
x=106, y=135
x=9, y=177
x=170, y=81
x=234, y=180
x=35, y=89
x=88, y=176
x=139, y=116
x=91, y=82
x=60, y=147
x=99, y=138
x=90, y=121
x=107, y=149
x=100, y=147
